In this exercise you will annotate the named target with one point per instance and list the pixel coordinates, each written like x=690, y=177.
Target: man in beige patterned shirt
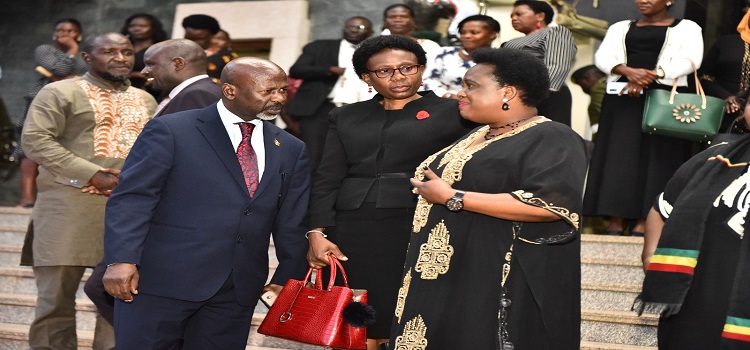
x=79, y=131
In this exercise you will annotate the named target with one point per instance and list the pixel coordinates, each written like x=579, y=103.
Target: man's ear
x=228, y=90
x=179, y=63
x=86, y=56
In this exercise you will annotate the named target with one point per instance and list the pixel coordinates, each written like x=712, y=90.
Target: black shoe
x=383, y=346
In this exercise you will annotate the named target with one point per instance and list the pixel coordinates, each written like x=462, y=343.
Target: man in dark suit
x=321, y=66
x=178, y=67
x=187, y=229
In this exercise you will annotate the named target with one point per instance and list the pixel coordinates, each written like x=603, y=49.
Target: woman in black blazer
x=361, y=196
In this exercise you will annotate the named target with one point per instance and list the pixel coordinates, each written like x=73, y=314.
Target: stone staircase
x=611, y=278
x=18, y=295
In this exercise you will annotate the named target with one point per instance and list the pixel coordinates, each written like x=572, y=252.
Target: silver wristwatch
x=455, y=203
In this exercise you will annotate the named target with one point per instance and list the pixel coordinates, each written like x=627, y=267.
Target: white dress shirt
x=230, y=121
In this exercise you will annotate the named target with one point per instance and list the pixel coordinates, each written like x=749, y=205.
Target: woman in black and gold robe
x=494, y=258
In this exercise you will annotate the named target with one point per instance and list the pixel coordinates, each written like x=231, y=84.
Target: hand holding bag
x=694, y=117
x=313, y=315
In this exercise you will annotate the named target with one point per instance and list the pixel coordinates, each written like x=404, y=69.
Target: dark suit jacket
x=199, y=94
x=313, y=67
x=182, y=214
x=359, y=151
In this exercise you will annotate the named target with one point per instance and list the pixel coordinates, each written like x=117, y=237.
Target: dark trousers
x=94, y=289
x=313, y=130
x=155, y=322
x=557, y=106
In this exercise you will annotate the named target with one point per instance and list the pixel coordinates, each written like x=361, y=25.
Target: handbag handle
x=335, y=264
x=698, y=87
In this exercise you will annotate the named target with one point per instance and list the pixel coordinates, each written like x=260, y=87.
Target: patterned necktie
x=248, y=159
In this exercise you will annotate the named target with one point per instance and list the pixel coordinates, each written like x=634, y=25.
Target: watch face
x=454, y=204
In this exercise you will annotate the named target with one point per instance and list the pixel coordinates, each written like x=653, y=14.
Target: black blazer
x=353, y=157
x=313, y=67
x=199, y=94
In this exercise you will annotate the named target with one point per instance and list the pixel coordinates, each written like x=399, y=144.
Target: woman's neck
x=543, y=27
x=395, y=104
x=661, y=18
x=142, y=44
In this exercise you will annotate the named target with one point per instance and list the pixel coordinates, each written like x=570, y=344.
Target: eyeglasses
x=355, y=27
x=388, y=72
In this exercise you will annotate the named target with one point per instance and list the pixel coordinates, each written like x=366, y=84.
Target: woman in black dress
x=361, y=196
x=696, y=260
x=496, y=248
x=143, y=30
x=629, y=168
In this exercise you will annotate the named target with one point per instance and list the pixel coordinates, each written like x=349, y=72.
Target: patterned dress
x=447, y=72
x=453, y=280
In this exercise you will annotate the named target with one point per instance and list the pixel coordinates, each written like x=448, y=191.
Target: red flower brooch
x=422, y=115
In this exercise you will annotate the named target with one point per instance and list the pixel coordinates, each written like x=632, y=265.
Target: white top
x=230, y=121
x=683, y=41
x=346, y=51
x=447, y=72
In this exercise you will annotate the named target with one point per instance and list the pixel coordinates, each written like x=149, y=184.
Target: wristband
x=317, y=231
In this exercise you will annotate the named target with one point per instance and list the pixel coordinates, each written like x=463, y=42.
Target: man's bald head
x=252, y=66
x=171, y=62
x=253, y=88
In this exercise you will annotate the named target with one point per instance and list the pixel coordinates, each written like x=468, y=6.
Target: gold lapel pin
x=276, y=142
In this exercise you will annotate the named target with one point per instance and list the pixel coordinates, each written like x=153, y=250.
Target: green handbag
x=694, y=117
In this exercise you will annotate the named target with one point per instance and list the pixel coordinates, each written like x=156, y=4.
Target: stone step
x=14, y=216
x=20, y=280
x=618, y=327
x=19, y=309
x=611, y=270
x=608, y=296
x=15, y=337
x=603, y=246
x=10, y=255
x=12, y=234
x=589, y=345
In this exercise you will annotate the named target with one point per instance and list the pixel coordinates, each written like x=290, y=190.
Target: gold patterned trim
x=435, y=255
x=413, y=337
x=119, y=116
x=454, y=161
x=565, y=213
x=402, y=293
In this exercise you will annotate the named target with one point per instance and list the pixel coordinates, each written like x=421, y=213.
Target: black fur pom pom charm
x=359, y=315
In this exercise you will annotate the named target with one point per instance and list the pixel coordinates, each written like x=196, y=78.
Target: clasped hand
x=103, y=182
x=434, y=190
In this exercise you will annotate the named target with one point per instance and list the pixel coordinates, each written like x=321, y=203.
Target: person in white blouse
x=451, y=63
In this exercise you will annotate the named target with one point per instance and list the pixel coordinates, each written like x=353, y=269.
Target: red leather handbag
x=313, y=315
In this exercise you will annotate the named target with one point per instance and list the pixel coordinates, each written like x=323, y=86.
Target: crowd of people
x=447, y=180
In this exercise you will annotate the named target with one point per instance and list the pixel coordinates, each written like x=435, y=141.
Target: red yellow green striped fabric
x=737, y=328
x=674, y=260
